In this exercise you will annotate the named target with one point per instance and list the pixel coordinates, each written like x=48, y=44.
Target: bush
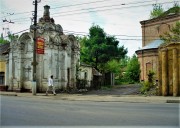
x=151, y=76
x=147, y=85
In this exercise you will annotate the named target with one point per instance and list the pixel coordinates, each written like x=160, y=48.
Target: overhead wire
x=87, y=34
x=94, y=10
x=16, y=20
x=90, y=8
x=66, y=6
x=90, y=11
x=64, y=14
x=89, y=3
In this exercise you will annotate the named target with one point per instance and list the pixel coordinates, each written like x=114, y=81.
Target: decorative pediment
x=24, y=39
x=56, y=40
x=59, y=29
x=74, y=43
x=26, y=36
x=65, y=41
x=49, y=27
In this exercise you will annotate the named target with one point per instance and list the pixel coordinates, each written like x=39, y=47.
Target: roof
x=96, y=73
x=160, y=18
x=4, y=48
x=152, y=45
x=85, y=65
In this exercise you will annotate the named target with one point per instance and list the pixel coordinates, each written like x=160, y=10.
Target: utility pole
x=11, y=37
x=34, y=63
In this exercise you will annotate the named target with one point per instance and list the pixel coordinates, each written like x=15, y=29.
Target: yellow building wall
x=169, y=74
x=2, y=66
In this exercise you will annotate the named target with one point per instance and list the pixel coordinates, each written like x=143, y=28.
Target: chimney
x=46, y=14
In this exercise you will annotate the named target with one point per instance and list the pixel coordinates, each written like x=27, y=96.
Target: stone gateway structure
x=169, y=66
x=60, y=59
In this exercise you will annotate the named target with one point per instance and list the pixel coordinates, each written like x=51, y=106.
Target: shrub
x=151, y=76
x=147, y=85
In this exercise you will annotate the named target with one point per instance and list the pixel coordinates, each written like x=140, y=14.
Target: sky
x=120, y=18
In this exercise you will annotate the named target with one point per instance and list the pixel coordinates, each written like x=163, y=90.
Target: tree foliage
x=173, y=35
x=2, y=40
x=9, y=38
x=100, y=48
x=157, y=11
x=113, y=66
x=133, y=69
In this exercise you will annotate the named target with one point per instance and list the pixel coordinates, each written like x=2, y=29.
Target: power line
x=81, y=4
x=89, y=11
x=87, y=34
x=64, y=6
x=18, y=32
x=95, y=10
x=101, y=10
x=120, y=4
x=95, y=7
x=66, y=13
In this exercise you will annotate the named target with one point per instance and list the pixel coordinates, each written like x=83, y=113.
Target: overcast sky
x=117, y=17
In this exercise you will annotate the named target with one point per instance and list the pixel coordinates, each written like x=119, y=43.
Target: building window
x=85, y=75
x=2, y=78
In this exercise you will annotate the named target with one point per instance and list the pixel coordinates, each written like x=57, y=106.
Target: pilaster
x=175, y=72
x=164, y=73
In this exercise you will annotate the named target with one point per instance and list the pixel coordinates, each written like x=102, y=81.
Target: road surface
x=22, y=111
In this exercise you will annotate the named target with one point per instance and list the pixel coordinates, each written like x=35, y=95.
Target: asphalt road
x=20, y=111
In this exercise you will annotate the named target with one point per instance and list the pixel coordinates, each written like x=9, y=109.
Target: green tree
x=2, y=40
x=133, y=69
x=173, y=35
x=83, y=49
x=113, y=66
x=157, y=11
x=100, y=48
x=10, y=37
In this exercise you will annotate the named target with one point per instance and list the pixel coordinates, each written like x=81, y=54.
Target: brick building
x=151, y=30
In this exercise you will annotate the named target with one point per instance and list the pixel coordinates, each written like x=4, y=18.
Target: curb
x=107, y=100
x=9, y=94
x=173, y=101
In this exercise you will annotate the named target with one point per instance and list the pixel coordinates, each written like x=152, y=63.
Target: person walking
x=50, y=85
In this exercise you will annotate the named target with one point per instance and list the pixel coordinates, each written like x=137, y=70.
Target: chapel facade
x=157, y=56
x=151, y=31
x=61, y=57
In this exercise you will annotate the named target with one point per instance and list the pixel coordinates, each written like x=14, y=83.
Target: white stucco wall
x=58, y=60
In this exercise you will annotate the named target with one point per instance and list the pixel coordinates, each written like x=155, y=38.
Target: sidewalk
x=98, y=98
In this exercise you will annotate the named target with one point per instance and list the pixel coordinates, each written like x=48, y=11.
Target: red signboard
x=40, y=45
